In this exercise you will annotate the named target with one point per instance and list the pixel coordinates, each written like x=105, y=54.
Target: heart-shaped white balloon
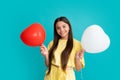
x=94, y=39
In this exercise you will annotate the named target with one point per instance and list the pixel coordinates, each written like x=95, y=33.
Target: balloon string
x=81, y=75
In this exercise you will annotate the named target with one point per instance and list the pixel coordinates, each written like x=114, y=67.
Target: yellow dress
x=56, y=71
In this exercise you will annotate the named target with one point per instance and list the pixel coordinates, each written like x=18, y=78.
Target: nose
x=61, y=29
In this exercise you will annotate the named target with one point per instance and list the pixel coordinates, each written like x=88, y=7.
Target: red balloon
x=34, y=35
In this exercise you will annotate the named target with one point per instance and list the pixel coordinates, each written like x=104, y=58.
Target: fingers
x=43, y=49
x=80, y=53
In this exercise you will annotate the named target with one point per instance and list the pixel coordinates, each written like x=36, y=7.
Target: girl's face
x=62, y=29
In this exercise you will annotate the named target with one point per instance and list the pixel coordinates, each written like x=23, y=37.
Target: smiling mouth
x=62, y=33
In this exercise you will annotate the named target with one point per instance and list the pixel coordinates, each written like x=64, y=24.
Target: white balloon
x=94, y=39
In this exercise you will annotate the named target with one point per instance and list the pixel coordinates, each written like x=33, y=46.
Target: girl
x=64, y=53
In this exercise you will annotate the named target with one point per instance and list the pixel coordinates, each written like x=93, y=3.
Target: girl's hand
x=80, y=54
x=43, y=50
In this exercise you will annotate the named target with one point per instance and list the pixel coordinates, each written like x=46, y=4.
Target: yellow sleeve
x=50, y=45
x=78, y=47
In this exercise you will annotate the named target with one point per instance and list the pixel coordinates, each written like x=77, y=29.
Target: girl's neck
x=64, y=38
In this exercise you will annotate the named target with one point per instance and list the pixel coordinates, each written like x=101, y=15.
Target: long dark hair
x=66, y=52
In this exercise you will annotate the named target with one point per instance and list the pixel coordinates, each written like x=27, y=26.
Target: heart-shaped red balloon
x=34, y=35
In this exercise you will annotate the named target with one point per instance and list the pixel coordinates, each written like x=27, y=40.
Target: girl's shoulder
x=50, y=44
x=77, y=43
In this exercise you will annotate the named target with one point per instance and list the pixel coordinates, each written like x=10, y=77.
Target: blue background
x=21, y=62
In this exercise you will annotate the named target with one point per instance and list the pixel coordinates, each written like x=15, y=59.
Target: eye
x=64, y=26
x=57, y=28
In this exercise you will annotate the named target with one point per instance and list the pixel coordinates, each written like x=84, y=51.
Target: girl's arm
x=46, y=60
x=45, y=53
x=78, y=58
